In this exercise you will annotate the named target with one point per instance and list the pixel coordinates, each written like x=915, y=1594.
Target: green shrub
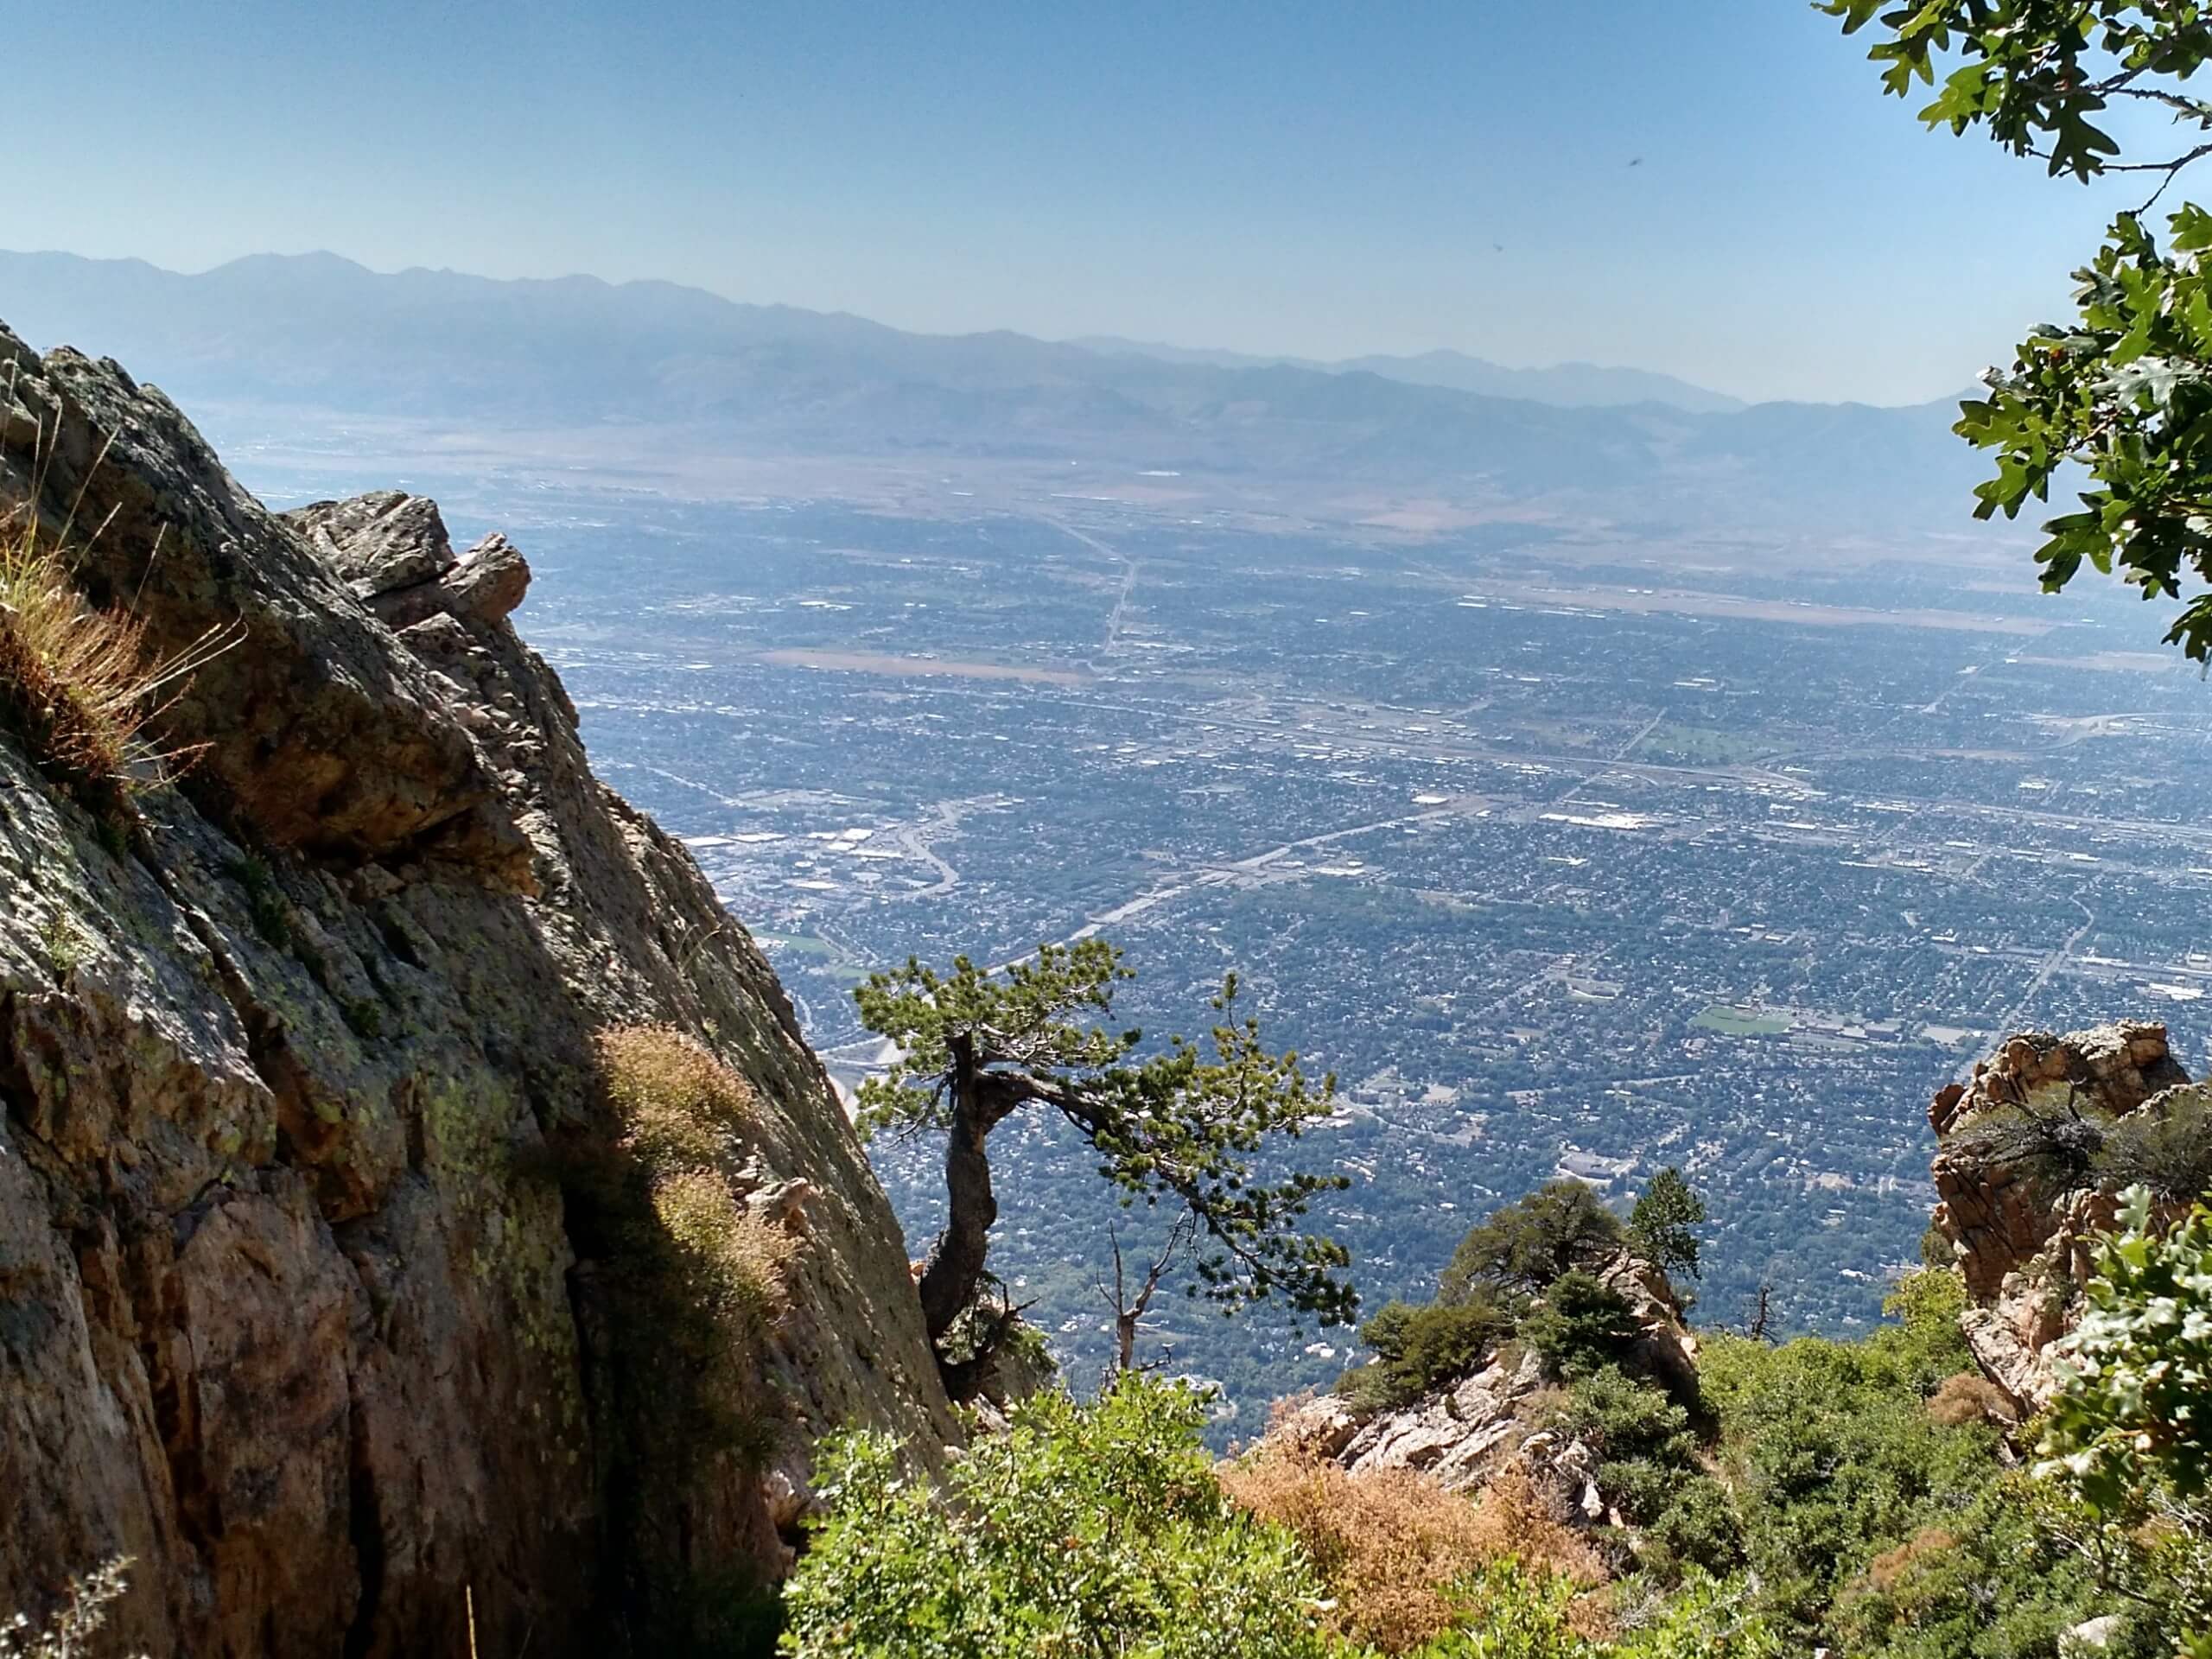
x=2129, y=1436
x=1581, y=1325
x=1648, y=1468
x=1420, y=1350
x=1083, y=1529
x=1710, y=1618
x=1873, y=1528
x=1511, y=1612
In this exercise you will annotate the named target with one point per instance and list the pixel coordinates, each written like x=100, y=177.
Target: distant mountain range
x=319, y=331
x=1571, y=385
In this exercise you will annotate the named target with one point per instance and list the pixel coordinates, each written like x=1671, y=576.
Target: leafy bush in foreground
x=1083, y=1529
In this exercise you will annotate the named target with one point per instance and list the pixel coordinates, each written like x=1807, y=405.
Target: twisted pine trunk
x=956, y=1263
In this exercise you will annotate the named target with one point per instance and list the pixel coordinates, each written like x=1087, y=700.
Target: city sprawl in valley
x=1559, y=863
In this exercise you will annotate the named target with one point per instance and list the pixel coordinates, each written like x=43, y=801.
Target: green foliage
x=2135, y=1406
x=1514, y=1613
x=1581, y=1325
x=1709, y=1617
x=1925, y=1344
x=1523, y=1246
x=1418, y=1349
x=1026, y=1016
x=1663, y=1225
x=1649, y=1457
x=1837, y=1466
x=2123, y=390
x=1083, y=1529
x=1986, y=1580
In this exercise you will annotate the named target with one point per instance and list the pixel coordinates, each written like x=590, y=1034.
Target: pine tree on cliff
x=1661, y=1226
x=1182, y=1126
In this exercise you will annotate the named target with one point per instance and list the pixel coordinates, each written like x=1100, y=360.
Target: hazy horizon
x=1088, y=340
x=1733, y=204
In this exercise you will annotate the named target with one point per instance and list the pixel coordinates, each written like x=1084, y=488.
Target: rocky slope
x=2024, y=1251
x=2023, y=1244
x=1468, y=1433
x=292, y=1309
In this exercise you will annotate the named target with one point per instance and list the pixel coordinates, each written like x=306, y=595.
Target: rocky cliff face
x=292, y=1309
x=2022, y=1248
x=1467, y=1434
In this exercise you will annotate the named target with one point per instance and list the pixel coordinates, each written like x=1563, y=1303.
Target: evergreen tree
x=1661, y=1226
x=1185, y=1125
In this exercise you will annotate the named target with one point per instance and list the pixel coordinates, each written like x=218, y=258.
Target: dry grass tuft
x=1887, y=1570
x=679, y=1106
x=680, y=1110
x=79, y=684
x=732, y=1264
x=1970, y=1397
x=1392, y=1544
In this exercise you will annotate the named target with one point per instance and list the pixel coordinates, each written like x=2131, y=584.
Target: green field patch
x=1742, y=1023
x=1699, y=744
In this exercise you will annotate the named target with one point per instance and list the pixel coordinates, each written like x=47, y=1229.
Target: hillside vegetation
x=1872, y=1499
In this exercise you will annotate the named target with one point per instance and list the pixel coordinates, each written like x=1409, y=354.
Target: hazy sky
x=1323, y=180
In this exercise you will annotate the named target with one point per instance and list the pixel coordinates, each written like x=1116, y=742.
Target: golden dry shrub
x=1970, y=1397
x=1391, y=1544
x=732, y=1264
x=79, y=684
x=1887, y=1570
x=679, y=1107
x=1519, y=1521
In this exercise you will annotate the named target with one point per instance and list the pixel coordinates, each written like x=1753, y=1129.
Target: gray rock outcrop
x=1467, y=1433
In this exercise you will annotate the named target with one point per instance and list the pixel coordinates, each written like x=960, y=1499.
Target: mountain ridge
x=1574, y=384
x=320, y=332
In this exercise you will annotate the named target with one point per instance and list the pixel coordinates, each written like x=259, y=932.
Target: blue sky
x=1324, y=179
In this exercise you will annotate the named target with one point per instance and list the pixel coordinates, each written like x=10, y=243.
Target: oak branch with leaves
x=2123, y=390
x=1185, y=1125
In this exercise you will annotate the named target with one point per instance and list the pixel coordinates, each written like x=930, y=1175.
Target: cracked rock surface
x=2024, y=1251
x=289, y=1309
